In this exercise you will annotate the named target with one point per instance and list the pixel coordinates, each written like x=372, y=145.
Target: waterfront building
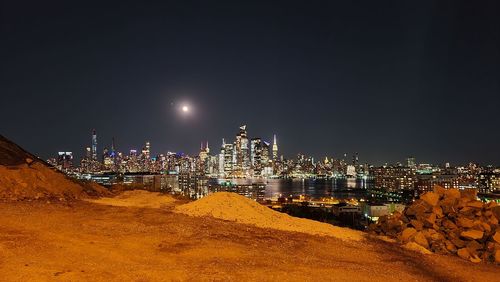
x=489, y=181
x=394, y=178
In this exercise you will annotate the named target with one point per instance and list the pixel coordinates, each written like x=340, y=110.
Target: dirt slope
x=23, y=176
x=11, y=154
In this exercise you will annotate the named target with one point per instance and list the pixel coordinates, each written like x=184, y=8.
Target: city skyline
x=385, y=80
x=254, y=161
x=253, y=144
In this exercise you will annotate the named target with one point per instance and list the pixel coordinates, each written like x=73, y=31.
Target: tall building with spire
x=275, y=148
x=204, y=151
x=113, y=149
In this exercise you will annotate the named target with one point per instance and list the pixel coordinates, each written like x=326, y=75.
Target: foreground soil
x=85, y=241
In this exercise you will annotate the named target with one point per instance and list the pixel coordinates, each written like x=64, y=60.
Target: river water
x=316, y=188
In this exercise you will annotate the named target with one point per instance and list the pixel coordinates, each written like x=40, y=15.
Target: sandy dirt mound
x=24, y=176
x=234, y=207
x=12, y=154
x=137, y=198
x=38, y=181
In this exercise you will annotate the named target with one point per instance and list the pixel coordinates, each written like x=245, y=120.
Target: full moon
x=185, y=109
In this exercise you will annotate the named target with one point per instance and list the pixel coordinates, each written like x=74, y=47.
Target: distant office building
x=228, y=159
x=241, y=153
x=256, y=156
x=94, y=145
x=275, y=148
x=65, y=160
x=410, y=162
x=489, y=182
x=265, y=153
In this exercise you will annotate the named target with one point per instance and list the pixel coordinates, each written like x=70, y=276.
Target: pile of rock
x=447, y=221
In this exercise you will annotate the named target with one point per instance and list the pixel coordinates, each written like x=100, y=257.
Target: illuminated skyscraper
x=221, y=159
x=241, y=153
x=267, y=169
x=275, y=148
x=265, y=153
x=256, y=156
x=410, y=162
x=147, y=151
x=228, y=159
x=94, y=145
x=113, y=149
x=204, y=150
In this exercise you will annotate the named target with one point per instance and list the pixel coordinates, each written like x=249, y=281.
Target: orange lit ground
x=92, y=242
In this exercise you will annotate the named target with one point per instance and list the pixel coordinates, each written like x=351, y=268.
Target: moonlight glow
x=185, y=109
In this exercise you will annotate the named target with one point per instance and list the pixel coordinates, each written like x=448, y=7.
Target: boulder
x=417, y=248
x=470, y=194
x=430, y=198
x=490, y=205
x=440, y=190
x=430, y=220
x=407, y=233
x=448, y=205
x=457, y=242
x=473, y=246
x=463, y=253
x=452, y=194
x=450, y=246
x=420, y=239
x=438, y=211
x=472, y=234
x=493, y=220
x=419, y=207
x=475, y=204
x=496, y=211
x=417, y=224
x=448, y=224
x=496, y=237
x=484, y=226
x=475, y=259
x=465, y=222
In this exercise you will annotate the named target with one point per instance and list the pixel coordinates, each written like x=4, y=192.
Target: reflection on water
x=316, y=188
x=196, y=187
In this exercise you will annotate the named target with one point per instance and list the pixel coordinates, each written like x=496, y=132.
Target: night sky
x=385, y=79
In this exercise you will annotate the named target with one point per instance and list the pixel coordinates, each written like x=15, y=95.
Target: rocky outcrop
x=447, y=222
